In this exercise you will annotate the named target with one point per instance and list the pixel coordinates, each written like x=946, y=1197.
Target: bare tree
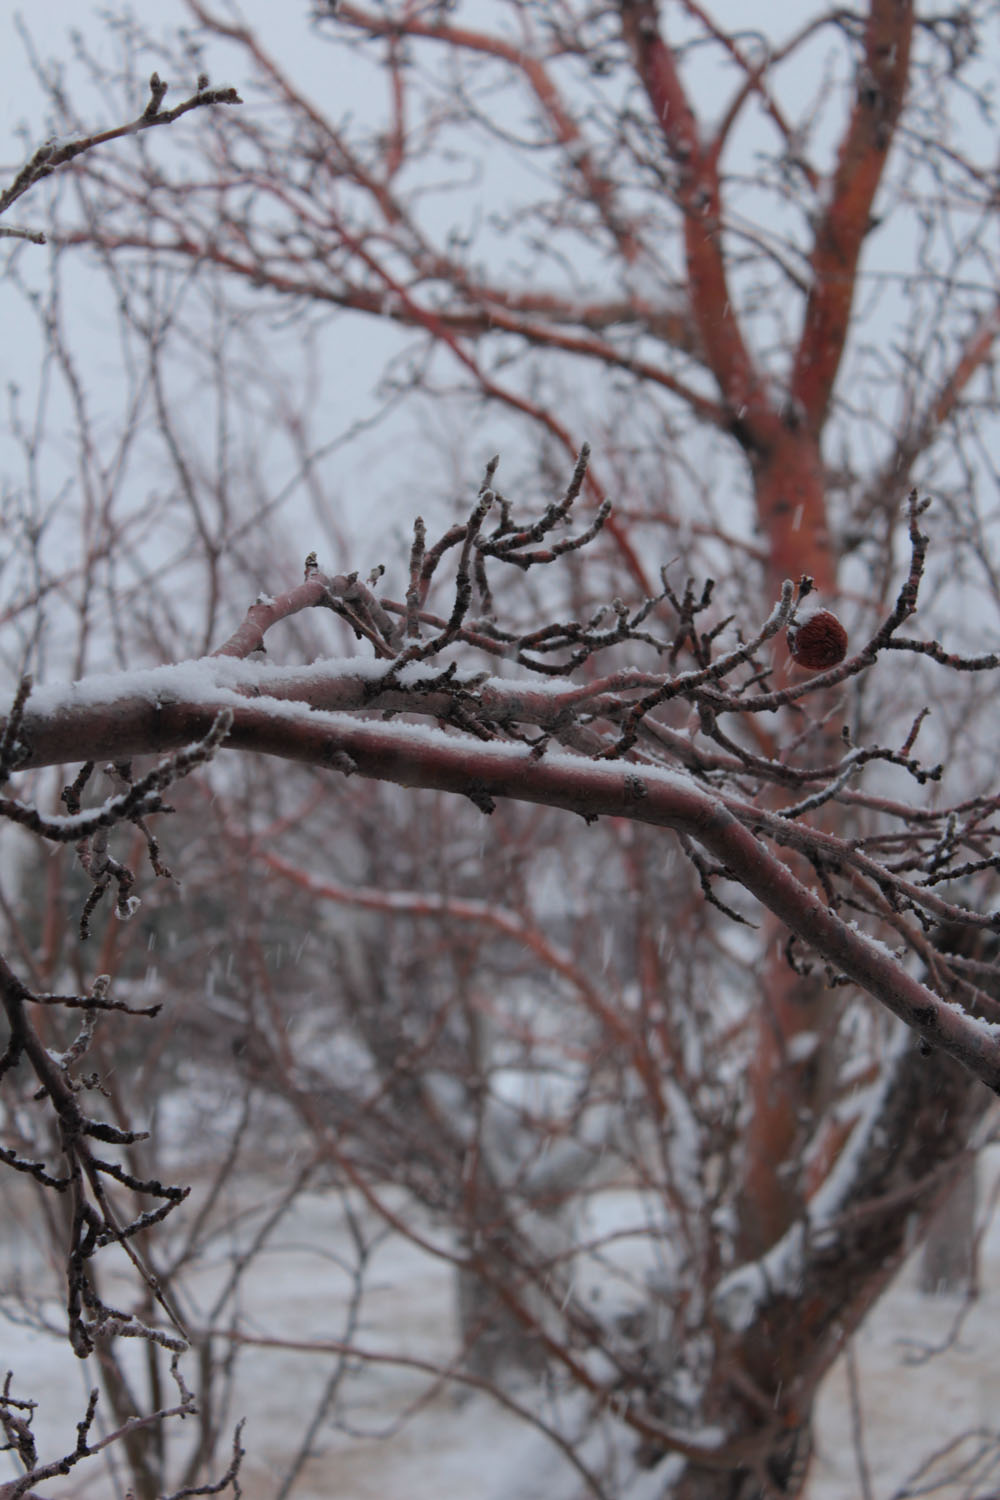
x=774, y=750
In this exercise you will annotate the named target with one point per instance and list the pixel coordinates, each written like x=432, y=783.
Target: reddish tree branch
x=840, y=234
x=699, y=197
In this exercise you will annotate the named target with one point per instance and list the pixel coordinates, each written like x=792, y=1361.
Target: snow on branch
x=423, y=707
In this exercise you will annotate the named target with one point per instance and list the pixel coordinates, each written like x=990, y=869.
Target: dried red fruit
x=818, y=642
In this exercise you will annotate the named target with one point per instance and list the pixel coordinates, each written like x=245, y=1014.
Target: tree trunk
x=497, y=1347
x=948, y=1258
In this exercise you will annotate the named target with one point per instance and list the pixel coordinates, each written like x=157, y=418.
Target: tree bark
x=948, y=1258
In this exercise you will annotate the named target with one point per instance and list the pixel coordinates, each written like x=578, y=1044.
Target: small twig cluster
x=55, y=154
x=95, y=1222
x=16, y=1418
x=86, y=1175
x=89, y=829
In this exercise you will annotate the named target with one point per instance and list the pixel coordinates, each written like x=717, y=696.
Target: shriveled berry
x=818, y=642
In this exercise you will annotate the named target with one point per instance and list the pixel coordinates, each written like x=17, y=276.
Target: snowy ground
x=470, y=1449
